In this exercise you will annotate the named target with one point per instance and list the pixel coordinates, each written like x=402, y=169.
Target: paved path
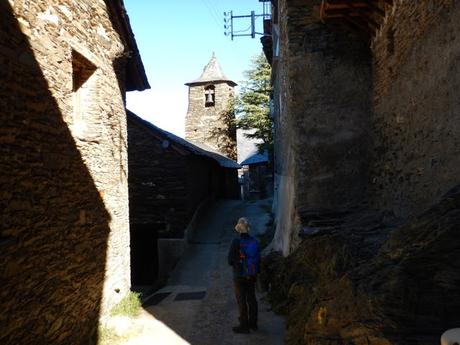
x=199, y=307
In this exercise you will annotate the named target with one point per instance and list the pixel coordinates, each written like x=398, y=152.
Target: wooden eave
x=136, y=79
x=267, y=47
x=361, y=16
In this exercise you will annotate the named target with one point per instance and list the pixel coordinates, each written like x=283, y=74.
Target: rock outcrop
x=364, y=278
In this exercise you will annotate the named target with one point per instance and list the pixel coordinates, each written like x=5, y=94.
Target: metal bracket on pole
x=229, y=26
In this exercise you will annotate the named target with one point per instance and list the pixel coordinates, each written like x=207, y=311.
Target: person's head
x=242, y=226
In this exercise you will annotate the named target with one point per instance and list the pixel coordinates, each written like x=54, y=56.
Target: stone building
x=64, y=229
x=322, y=103
x=210, y=114
x=170, y=181
x=255, y=177
x=367, y=120
x=363, y=108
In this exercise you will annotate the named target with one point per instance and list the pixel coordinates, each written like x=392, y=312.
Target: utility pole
x=230, y=19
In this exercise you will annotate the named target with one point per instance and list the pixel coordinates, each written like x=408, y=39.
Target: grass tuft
x=130, y=305
x=106, y=336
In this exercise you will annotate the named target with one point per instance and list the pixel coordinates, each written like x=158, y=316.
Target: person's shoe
x=253, y=327
x=240, y=329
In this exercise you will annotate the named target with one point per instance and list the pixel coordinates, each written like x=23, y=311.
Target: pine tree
x=252, y=105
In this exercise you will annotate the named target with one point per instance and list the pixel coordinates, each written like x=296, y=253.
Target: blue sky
x=176, y=40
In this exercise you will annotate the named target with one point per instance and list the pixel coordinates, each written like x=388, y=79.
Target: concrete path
x=199, y=306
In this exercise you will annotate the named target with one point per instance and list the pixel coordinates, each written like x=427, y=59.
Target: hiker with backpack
x=244, y=257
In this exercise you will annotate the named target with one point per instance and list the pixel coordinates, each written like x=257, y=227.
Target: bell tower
x=209, y=120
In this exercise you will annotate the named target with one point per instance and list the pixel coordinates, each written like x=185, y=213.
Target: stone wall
x=157, y=183
x=167, y=184
x=63, y=171
x=212, y=125
x=324, y=117
x=361, y=274
x=416, y=154
x=373, y=125
x=283, y=198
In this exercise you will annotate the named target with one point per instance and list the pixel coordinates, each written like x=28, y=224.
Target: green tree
x=252, y=104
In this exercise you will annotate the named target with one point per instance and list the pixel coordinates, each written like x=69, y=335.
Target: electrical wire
x=217, y=16
x=218, y=6
x=238, y=31
x=210, y=10
x=212, y=13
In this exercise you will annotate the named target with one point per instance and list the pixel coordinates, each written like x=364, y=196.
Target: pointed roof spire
x=212, y=72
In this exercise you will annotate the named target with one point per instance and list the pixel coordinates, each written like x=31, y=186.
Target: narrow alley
x=136, y=136
x=197, y=306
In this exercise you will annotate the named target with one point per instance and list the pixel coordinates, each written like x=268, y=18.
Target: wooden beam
x=365, y=15
x=376, y=8
x=328, y=8
x=361, y=25
x=335, y=12
x=342, y=4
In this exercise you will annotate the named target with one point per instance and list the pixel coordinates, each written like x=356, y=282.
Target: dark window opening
x=82, y=70
x=209, y=96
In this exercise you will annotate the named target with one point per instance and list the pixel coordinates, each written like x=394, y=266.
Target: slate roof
x=255, y=159
x=188, y=146
x=212, y=72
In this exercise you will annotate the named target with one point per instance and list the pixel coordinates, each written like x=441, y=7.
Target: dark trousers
x=245, y=292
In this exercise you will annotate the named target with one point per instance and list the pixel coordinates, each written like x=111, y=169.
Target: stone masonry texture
x=416, y=132
x=64, y=255
x=368, y=175
x=365, y=124
x=212, y=125
x=166, y=184
x=324, y=121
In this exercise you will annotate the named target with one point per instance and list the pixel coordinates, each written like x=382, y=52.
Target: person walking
x=244, y=257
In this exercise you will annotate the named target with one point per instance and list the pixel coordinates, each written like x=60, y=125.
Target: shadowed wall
x=416, y=132
x=62, y=173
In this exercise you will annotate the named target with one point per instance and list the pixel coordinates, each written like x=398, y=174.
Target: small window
x=209, y=96
x=82, y=70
